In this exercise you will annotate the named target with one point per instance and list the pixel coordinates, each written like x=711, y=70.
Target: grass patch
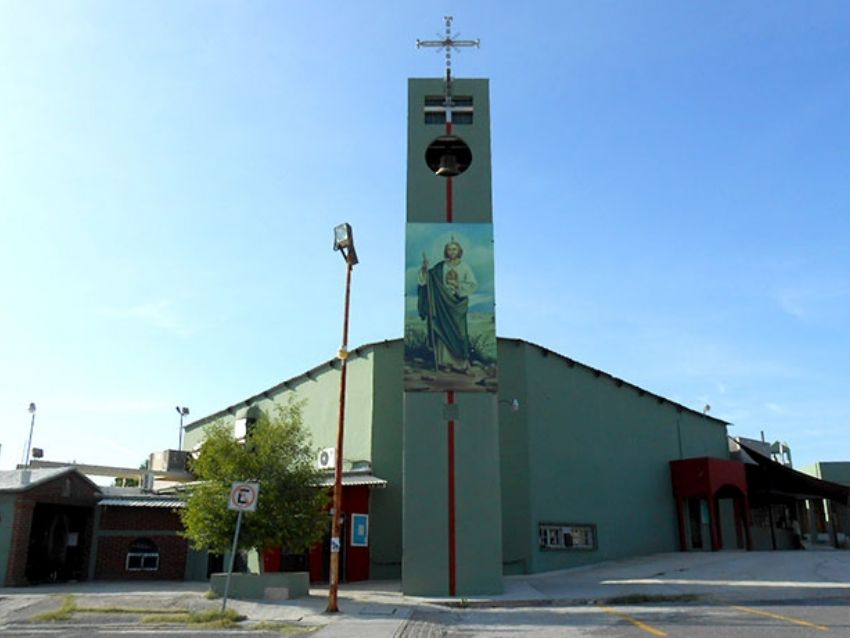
x=208, y=618
x=122, y=610
x=210, y=595
x=64, y=612
x=639, y=599
x=284, y=628
x=212, y=618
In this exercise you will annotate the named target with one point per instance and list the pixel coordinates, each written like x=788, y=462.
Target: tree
x=291, y=508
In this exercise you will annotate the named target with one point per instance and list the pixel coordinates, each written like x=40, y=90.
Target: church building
x=467, y=457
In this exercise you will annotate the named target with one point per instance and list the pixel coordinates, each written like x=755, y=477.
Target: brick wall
x=15, y=572
x=112, y=558
x=120, y=526
x=139, y=518
x=69, y=489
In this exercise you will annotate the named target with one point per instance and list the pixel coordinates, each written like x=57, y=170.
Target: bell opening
x=448, y=156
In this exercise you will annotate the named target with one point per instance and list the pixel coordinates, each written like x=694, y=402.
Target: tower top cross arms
x=449, y=43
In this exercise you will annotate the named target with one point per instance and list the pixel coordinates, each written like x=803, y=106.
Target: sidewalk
x=379, y=607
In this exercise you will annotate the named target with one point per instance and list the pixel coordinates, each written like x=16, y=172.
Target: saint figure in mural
x=443, y=303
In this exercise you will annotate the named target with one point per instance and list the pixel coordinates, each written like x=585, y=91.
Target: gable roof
x=22, y=480
x=616, y=380
x=360, y=350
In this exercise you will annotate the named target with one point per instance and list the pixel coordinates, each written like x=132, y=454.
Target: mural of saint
x=449, y=321
x=443, y=304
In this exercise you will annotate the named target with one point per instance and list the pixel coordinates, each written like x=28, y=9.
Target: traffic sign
x=243, y=497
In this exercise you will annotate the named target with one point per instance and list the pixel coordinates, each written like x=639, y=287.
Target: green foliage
x=480, y=348
x=284, y=627
x=291, y=509
x=212, y=618
x=416, y=346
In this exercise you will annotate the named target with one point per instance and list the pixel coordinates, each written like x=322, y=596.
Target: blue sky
x=671, y=196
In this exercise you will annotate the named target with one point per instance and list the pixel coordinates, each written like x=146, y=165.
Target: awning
x=770, y=477
x=143, y=502
x=354, y=480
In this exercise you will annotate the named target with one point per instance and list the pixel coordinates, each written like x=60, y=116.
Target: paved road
x=717, y=595
x=84, y=631
x=692, y=620
x=789, y=619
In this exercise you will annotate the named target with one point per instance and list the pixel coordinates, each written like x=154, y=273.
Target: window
x=435, y=109
x=142, y=556
x=567, y=536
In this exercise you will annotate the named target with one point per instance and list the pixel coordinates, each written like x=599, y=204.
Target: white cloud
x=159, y=314
x=94, y=405
x=816, y=300
x=775, y=408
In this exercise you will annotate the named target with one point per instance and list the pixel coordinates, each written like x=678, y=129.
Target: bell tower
x=452, y=518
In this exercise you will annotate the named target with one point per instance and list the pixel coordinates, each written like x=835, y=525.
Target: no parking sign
x=243, y=497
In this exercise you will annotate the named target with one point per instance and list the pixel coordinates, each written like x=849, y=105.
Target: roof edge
x=358, y=351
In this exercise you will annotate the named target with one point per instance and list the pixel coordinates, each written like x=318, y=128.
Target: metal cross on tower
x=448, y=43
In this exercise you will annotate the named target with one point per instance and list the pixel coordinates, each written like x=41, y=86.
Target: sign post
x=243, y=498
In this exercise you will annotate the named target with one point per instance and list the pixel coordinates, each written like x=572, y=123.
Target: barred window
x=435, y=109
x=555, y=536
x=142, y=556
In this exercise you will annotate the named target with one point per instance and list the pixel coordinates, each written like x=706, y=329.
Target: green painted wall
x=515, y=461
x=386, y=504
x=425, y=508
x=582, y=448
x=196, y=565
x=478, y=530
x=320, y=391
x=478, y=508
x=478, y=515
x=426, y=192
x=599, y=454
x=7, y=514
x=835, y=471
x=373, y=433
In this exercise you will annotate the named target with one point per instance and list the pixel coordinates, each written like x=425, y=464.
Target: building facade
x=583, y=457
x=58, y=526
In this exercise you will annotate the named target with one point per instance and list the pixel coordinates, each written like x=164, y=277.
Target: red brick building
x=46, y=525
x=138, y=538
x=57, y=526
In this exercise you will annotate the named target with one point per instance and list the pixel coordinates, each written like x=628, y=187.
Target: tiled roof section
x=352, y=480
x=113, y=491
x=143, y=502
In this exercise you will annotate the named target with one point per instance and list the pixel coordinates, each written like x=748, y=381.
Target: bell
x=448, y=166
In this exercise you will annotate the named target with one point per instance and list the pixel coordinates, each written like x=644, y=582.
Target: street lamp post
x=343, y=242
x=182, y=411
x=29, y=440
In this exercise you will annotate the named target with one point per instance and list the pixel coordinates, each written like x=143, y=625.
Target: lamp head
x=344, y=242
x=32, y=408
x=342, y=236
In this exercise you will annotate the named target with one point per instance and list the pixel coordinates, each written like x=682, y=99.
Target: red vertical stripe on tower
x=450, y=399
x=449, y=187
